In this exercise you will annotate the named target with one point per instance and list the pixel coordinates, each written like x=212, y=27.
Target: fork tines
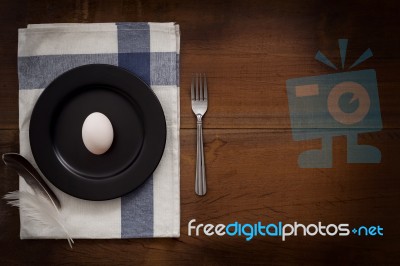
x=199, y=87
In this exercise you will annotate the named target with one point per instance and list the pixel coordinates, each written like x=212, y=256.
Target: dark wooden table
x=248, y=49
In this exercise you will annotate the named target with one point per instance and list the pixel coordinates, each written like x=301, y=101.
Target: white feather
x=39, y=209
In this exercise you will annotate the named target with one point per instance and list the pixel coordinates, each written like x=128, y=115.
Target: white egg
x=97, y=133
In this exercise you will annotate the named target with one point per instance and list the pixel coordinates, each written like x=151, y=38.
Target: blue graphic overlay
x=322, y=58
x=345, y=103
x=343, y=49
x=367, y=54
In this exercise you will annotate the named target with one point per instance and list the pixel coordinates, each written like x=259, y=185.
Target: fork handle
x=200, y=185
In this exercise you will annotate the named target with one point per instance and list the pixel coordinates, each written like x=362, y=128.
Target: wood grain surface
x=248, y=50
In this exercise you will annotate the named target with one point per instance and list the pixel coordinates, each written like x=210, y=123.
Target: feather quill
x=38, y=209
x=31, y=176
x=42, y=206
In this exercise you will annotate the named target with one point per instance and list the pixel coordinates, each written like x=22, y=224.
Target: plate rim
x=35, y=129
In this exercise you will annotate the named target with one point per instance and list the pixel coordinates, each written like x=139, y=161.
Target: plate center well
x=124, y=115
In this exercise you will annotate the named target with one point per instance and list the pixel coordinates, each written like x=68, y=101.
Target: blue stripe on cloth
x=137, y=63
x=133, y=26
x=133, y=37
x=134, y=55
x=177, y=69
x=137, y=212
x=163, y=68
x=36, y=72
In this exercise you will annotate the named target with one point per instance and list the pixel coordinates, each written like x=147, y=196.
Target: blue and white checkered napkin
x=149, y=50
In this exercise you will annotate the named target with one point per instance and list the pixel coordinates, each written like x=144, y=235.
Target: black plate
x=56, y=132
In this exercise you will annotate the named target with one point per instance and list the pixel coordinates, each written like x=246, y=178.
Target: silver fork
x=199, y=107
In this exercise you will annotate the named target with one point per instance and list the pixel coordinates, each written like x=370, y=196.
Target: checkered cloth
x=150, y=51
